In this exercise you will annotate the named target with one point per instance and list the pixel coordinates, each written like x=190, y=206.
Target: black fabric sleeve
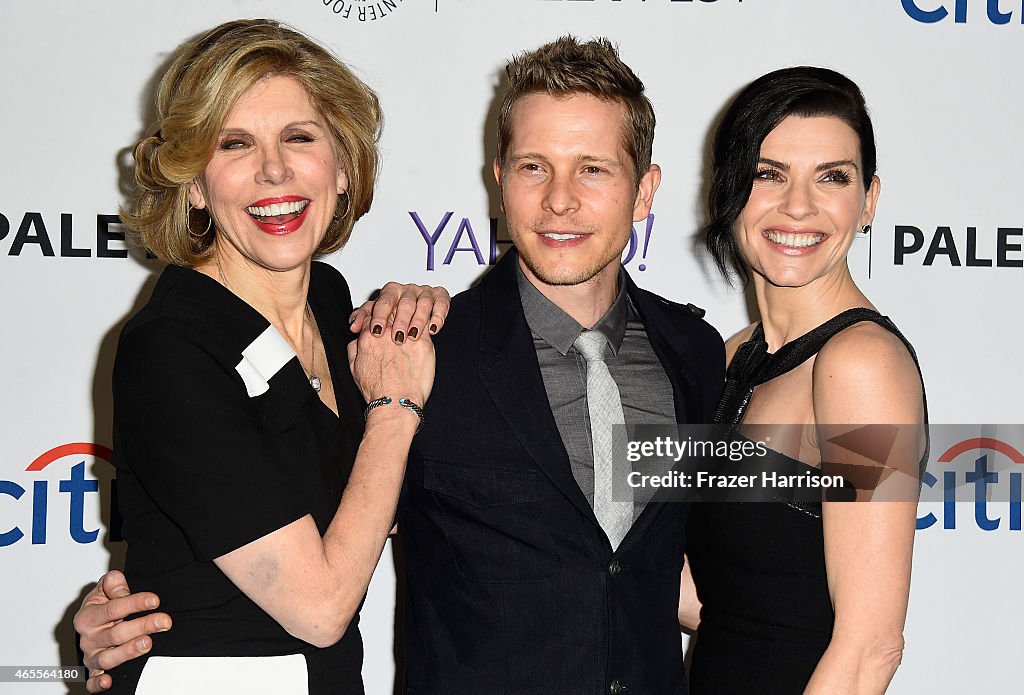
x=198, y=443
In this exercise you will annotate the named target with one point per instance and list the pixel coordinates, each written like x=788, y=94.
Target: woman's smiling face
x=806, y=203
x=273, y=180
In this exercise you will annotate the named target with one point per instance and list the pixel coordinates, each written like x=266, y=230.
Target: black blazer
x=512, y=585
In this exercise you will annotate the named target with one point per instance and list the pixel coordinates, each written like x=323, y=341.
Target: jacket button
x=614, y=568
x=617, y=687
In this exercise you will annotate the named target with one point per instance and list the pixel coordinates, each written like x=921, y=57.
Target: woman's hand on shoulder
x=405, y=311
x=313, y=584
x=388, y=368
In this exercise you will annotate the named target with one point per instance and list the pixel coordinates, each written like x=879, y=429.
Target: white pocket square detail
x=263, y=359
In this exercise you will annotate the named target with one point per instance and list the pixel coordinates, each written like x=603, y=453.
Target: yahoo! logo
x=72, y=491
x=463, y=238
x=982, y=480
x=929, y=13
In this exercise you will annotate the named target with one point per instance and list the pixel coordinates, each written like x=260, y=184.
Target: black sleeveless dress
x=759, y=567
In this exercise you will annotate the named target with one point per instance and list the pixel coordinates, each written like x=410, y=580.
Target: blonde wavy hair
x=206, y=78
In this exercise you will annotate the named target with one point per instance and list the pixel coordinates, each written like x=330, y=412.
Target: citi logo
x=932, y=11
x=28, y=505
x=984, y=482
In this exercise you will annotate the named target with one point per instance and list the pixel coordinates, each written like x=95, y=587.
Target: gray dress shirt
x=644, y=388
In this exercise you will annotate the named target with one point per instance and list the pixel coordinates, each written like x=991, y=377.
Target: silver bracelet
x=404, y=402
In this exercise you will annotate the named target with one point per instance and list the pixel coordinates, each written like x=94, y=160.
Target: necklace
x=314, y=380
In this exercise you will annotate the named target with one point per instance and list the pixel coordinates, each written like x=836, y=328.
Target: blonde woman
x=256, y=502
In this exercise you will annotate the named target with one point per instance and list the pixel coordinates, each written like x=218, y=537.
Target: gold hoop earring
x=340, y=214
x=188, y=224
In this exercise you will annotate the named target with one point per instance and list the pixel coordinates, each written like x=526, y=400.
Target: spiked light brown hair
x=566, y=67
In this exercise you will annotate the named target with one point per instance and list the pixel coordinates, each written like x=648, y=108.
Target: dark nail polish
x=352, y=320
x=433, y=328
x=413, y=332
x=377, y=330
x=399, y=337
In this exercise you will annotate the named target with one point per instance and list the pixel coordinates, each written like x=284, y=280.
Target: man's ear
x=645, y=191
x=497, y=178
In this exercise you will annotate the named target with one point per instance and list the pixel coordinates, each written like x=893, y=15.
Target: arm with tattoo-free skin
x=866, y=376
x=108, y=638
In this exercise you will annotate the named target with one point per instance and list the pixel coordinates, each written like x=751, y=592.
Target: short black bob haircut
x=754, y=113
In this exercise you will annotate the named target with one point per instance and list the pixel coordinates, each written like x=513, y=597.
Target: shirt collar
x=559, y=330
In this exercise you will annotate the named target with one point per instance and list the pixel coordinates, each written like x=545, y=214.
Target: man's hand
x=405, y=311
x=106, y=638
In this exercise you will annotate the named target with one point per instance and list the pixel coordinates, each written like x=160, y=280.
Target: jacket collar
x=511, y=374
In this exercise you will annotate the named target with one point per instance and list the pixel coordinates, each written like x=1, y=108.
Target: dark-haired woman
x=801, y=595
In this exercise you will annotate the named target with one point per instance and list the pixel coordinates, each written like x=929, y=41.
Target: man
x=525, y=573
x=516, y=583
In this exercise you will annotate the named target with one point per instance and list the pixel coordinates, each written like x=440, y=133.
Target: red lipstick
x=281, y=224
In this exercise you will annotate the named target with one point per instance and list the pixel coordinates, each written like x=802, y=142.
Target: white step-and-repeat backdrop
x=944, y=261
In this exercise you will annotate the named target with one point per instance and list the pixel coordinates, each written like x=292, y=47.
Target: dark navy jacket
x=512, y=586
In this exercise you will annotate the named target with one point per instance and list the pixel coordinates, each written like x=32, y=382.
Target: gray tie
x=605, y=409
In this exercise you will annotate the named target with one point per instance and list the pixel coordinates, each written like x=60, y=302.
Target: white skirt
x=198, y=675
